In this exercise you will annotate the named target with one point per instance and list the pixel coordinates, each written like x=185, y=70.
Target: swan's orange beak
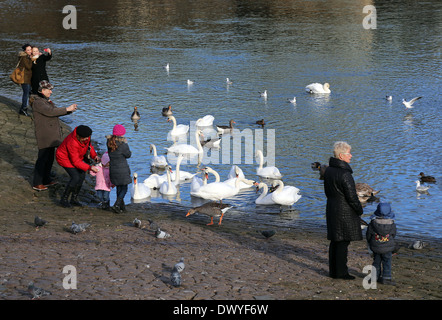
x=135, y=180
x=188, y=213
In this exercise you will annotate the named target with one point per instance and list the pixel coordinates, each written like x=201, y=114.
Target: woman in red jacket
x=71, y=156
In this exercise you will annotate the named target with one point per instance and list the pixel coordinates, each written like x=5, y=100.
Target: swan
x=167, y=111
x=421, y=189
x=197, y=183
x=177, y=129
x=155, y=180
x=205, y=121
x=266, y=172
x=218, y=190
x=285, y=195
x=179, y=176
x=187, y=148
x=139, y=191
x=225, y=129
x=135, y=115
x=157, y=161
x=409, y=104
x=167, y=187
x=318, y=88
x=264, y=198
x=234, y=174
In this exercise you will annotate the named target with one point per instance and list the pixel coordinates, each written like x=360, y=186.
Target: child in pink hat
x=119, y=170
x=103, y=183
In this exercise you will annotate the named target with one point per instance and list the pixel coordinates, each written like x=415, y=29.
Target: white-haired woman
x=343, y=209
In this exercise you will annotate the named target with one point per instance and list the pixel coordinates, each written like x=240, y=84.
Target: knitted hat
x=119, y=130
x=44, y=84
x=105, y=158
x=84, y=131
x=383, y=211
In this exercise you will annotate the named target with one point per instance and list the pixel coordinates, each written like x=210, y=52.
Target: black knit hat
x=84, y=131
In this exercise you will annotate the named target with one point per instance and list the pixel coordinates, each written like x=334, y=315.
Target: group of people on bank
x=77, y=156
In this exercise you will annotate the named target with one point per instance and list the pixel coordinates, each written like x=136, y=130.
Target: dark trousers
x=26, y=87
x=121, y=191
x=77, y=177
x=43, y=166
x=337, y=253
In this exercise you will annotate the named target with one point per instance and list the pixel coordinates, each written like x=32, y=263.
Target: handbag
x=18, y=75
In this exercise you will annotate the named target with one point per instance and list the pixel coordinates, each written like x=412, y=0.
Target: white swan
x=197, y=183
x=234, y=174
x=139, y=191
x=157, y=161
x=177, y=130
x=155, y=180
x=218, y=190
x=264, y=198
x=187, y=148
x=318, y=88
x=285, y=195
x=205, y=121
x=266, y=172
x=168, y=187
x=179, y=176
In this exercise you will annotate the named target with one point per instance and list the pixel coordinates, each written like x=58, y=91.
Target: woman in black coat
x=39, y=67
x=343, y=209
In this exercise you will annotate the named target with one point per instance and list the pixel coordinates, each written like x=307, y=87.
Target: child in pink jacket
x=103, y=184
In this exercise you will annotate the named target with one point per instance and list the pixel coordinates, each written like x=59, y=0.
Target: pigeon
x=409, y=104
x=175, y=278
x=180, y=265
x=137, y=223
x=417, y=245
x=267, y=233
x=160, y=234
x=39, y=222
x=152, y=224
x=77, y=228
x=37, y=293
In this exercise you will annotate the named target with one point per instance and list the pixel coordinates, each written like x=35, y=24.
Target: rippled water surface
x=115, y=60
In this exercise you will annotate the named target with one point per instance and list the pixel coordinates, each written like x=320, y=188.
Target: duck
x=218, y=190
x=318, y=88
x=285, y=195
x=321, y=167
x=270, y=172
x=139, y=191
x=135, y=115
x=211, y=209
x=205, y=121
x=211, y=143
x=261, y=122
x=420, y=188
x=409, y=104
x=167, y=111
x=187, y=148
x=157, y=161
x=168, y=187
x=425, y=178
x=264, y=198
x=177, y=130
x=225, y=129
x=365, y=192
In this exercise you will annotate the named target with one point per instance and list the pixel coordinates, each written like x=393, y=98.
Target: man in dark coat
x=343, y=210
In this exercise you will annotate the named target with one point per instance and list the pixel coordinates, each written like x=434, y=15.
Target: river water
x=115, y=60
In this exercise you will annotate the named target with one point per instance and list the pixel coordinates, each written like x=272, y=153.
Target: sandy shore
x=114, y=260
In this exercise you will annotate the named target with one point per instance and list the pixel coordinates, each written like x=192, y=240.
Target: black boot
x=74, y=198
x=105, y=205
x=117, y=206
x=64, y=198
x=122, y=206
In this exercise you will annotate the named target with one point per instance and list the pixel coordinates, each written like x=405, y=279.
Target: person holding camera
x=75, y=155
x=39, y=67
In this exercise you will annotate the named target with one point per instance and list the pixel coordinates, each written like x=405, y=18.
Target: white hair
x=340, y=147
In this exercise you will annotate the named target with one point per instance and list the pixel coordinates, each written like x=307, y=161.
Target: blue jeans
x=26, y=87
x=103, y=195
x=384, y=261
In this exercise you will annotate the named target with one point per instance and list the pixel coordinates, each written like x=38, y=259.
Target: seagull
x=167, y=67
x=264, y=94
x=421, y=189
x=409, y=104
x=137, y=223
x=417, y=245
x=77, y=228
x=37, y=293
x=160, y=234
x=389, y=98
x=292, y=100
x=39, y=222
x=228, y=81
x=179, y=266
x=135, y=115
x=267, y=233
x=175, y=278
x=190, y=82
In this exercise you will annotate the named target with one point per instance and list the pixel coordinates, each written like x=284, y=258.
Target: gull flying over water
x=409, y=104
